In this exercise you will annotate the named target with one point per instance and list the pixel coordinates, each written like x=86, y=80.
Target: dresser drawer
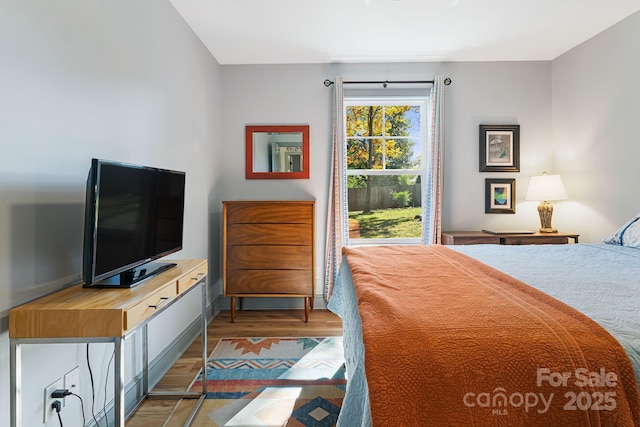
x=269, y=282
x=270, y=234
x=149, y=306
x=276, y=213
x=188, y=280
x=470, y=239
x=537, y=240
x=269, y=257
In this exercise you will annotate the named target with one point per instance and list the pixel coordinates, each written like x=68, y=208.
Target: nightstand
x=480, y=237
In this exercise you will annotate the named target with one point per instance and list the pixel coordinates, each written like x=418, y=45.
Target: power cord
x=104, y=406
x=84, y=421
x=61, y=394
x=93, y=390
x=57, y=406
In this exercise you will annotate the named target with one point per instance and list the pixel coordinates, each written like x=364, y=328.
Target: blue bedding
x=602, y=281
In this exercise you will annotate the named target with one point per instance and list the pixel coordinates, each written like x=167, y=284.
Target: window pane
x=403, y=153
x=402, y=120
x=363, y=153
x=364, y=120
x=384, y=206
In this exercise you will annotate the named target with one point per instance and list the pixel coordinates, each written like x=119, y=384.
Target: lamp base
x=547, y=230
x=545, y=210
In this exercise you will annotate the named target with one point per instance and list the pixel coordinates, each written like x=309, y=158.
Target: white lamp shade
x=546, y=187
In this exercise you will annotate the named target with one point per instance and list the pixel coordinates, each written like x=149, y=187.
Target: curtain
x=337, y=216
x=431, y=230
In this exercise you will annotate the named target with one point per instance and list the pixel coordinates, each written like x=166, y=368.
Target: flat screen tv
x=133, y=216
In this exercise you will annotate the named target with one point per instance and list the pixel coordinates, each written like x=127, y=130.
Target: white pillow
x=627, y=235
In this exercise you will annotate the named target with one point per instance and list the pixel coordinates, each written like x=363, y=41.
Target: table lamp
x=546, y=188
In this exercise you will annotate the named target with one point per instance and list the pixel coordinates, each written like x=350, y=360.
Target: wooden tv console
x=85, y=315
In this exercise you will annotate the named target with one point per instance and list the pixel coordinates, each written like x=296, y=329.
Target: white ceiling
x=326, y=31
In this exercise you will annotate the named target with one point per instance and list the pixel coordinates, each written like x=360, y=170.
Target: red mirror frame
x=251, y=174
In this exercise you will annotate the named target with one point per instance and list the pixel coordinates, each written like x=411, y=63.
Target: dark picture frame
x=500, y=195
x=499, y=148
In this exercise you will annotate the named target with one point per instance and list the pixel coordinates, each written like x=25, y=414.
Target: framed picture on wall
x=499, y=148
x=499, y=196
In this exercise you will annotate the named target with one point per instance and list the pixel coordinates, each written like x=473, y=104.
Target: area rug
x=296, y=382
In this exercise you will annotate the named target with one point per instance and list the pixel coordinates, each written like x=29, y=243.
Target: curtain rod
x=384, y=83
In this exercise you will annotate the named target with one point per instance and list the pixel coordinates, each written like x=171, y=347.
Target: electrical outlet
x=72, y=382
x=48, y=400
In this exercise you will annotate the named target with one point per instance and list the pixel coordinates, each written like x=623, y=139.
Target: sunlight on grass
x=387, y=223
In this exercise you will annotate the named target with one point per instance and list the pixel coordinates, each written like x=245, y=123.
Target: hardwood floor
x=251, y=323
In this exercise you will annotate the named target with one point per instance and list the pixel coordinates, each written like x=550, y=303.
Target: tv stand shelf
x=84, y=315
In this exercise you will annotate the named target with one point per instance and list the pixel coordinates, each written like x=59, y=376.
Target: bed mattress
x=601, y=281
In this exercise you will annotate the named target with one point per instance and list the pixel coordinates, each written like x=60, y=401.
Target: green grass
x=389, y=223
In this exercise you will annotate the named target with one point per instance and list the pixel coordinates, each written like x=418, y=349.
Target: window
x=386, y=163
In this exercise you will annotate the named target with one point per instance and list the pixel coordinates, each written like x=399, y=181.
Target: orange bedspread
x=450, y=341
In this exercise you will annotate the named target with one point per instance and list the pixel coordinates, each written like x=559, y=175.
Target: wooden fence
x=381, y=197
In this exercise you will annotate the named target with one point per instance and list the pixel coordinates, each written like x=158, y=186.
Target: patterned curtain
x=433, y=197
x=337, y=216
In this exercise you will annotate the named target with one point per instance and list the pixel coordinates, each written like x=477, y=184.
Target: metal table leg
x=118, y=377
x=15, y=387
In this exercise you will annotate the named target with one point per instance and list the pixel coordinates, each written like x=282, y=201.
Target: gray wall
x=482, y=92
x=596, y=101
x=115, y=79
x=576, y=116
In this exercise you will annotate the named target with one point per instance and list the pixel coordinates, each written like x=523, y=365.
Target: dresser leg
x=233, y=309
x=241, y=300
x=306, y=310
x=311, y=302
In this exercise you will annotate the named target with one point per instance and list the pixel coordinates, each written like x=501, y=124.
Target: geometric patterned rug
x=296, y=382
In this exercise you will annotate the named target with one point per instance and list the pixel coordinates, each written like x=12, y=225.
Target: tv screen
x=133, y=215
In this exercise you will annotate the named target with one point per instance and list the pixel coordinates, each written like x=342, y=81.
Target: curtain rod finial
x=447, y=81
x=327, y=83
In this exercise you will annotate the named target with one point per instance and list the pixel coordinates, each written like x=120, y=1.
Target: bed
x=490, y=335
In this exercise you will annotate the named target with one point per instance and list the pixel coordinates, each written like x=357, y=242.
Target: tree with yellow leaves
x=377, y=138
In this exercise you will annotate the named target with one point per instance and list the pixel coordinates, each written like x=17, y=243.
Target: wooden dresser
x=268, y=250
